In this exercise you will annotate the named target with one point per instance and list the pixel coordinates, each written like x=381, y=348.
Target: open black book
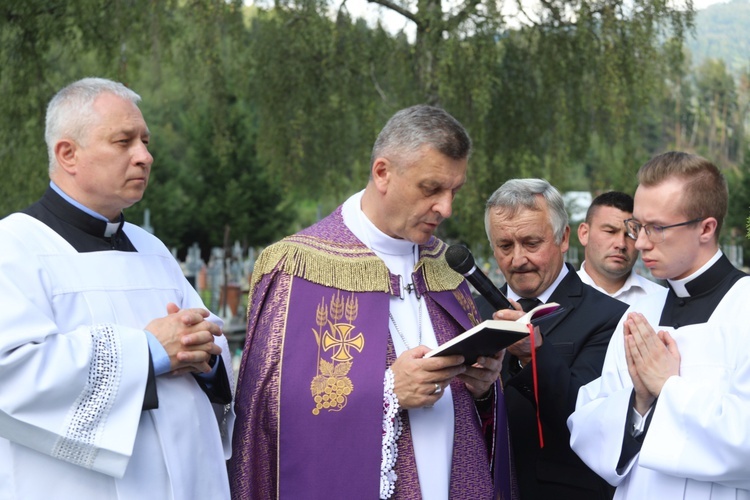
x=492, y=335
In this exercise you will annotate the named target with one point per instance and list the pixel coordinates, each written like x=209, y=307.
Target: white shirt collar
x=633, y=281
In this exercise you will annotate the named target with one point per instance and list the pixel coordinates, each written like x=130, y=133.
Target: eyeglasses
x=654, y=233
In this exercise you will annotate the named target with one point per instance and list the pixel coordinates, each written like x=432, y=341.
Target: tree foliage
x=317, y=84
x=187, y=61
x=263, y=118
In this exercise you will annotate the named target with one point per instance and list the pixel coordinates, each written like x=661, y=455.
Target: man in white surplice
x=114, y=378
x=669, y=416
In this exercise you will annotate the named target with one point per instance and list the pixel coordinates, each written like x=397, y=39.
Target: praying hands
x=652, y=358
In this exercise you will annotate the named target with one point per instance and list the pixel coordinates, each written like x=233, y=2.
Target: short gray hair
x=71, y=110
x=411, y=128
x=517, y=194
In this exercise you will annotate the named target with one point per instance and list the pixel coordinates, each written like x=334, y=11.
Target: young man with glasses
x=668, y=417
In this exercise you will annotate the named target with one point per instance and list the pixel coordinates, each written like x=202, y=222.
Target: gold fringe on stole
x=350, y=269
x=346, y=268
x=438, y=275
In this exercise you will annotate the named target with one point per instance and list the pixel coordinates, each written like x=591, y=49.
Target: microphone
x=460, y=259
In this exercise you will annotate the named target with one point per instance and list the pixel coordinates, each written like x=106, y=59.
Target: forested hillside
x=723, y=32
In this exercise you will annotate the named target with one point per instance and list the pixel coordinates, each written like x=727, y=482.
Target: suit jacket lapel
x=568, y=294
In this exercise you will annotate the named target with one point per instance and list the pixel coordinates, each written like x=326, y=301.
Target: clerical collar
x=375, y=239
x=544, y=297
x=101, y=226
x=692, y=285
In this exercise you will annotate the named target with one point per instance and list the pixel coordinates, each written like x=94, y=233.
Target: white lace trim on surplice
x=93, y=405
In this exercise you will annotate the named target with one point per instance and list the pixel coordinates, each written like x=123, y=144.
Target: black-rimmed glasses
x=654, y=232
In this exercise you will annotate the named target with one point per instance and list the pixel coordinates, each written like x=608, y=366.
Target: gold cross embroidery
x=341, y=342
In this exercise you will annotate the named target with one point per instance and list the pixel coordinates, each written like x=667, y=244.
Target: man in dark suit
x=528, y=229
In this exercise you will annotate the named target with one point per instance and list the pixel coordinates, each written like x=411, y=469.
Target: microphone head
x=459, y=258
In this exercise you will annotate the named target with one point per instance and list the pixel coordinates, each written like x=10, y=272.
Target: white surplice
x=698, y=444
x=73, y=370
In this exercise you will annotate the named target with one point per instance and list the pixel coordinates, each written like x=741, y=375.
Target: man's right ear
x=382, y=169
x=65, y=154
x=583, y=233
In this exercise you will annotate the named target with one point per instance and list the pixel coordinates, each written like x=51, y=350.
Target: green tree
x=45, y=45
x=716, y=111
x=532, y=98
x=258, y=112
x=322, y=88
x=206, y=175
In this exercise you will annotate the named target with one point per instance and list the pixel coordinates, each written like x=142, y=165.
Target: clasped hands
x=651, y=357
x=416, y=378
x=187, y=337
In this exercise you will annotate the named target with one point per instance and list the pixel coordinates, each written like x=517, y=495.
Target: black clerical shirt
x=83, y=231
x=706, y=291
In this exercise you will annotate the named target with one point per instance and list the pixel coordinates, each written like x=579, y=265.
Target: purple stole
x=310, y=391
x=330, y=408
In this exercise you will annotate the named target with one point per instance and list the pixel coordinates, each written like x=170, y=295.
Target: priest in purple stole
x=334, y=397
